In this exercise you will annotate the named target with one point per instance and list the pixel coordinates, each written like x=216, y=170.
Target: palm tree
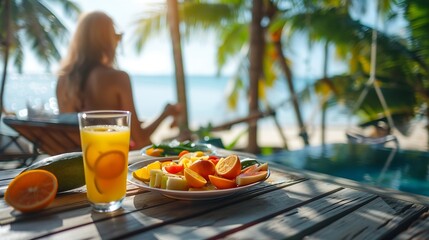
x=256, y=54
x=33, y=23
x=276, y=39
x=174, y=24
x=151, y=25
x=231, y=21
x=6, y=45
x=416, y=13
x=159, y=20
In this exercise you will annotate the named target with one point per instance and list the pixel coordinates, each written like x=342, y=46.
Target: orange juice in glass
x=105, y=137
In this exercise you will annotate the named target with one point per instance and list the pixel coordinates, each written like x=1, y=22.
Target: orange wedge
x=143, y=174
x=194, y=179
x=155, y=152
x=32, y=190
x=222, y=183
x=228, y=167
x=249, y=178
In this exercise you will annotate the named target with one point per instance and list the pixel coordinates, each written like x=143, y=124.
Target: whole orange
x=203, y=168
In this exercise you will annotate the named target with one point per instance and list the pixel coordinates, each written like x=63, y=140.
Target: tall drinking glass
x=105, y=137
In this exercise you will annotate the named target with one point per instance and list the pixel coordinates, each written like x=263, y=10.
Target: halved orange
x=32, y=190
x=194, y=179
x=203, y=167
x=110, y=164
x=228, y=167
x=222, y=183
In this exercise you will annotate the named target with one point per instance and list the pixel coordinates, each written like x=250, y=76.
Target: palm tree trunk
x=325, y=101
x=255, y=70
x=173, y=18
x=427, y=128
x=6, y=54
x=288, y=73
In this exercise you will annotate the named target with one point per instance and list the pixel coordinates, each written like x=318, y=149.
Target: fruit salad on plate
x=198, y=171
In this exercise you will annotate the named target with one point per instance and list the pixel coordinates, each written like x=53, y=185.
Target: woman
x=88, y=79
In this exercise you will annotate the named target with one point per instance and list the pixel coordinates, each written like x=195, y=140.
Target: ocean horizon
x=206, y=96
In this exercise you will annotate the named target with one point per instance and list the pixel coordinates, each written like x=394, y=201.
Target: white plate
x=210, y=149
x=183, y=195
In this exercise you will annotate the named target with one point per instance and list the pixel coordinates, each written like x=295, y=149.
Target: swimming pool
x=407, y=171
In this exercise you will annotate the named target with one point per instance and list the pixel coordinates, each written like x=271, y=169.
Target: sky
x=156, y=57
x=199, y=54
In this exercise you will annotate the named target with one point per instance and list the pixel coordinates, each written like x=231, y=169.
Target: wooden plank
x=72, y=214
x=295, y=223
x=211, y=222
x=379, y=219
x=139, y=216
x=95, y=225
x=418, y=230
x=78, y=221
x=63, y=202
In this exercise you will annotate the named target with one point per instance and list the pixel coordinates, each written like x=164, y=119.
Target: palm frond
x=417, y=12
x=148, y=27
x=232, y=41
x=34, y=23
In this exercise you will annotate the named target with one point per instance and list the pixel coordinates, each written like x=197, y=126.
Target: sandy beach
x=269, y=136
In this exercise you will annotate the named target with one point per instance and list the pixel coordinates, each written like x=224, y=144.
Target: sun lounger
x=56, y=135
x=9, y=140
x=379, y=135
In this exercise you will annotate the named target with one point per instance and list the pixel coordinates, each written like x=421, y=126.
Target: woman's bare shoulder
x=109, y=74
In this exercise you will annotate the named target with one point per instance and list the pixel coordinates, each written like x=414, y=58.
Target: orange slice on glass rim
x=32, y=190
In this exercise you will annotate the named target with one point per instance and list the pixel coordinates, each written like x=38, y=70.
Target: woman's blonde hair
x=93, y=44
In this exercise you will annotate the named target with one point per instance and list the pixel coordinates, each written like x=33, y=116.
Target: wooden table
x=285, y=206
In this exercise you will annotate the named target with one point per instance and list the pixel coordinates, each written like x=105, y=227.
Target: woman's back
x=104, y=88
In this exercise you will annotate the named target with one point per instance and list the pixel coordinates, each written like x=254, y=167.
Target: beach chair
x=52, y=136
x=379, y=135
x=9, y=140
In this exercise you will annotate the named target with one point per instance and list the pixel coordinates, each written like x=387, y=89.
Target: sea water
x=206, y=96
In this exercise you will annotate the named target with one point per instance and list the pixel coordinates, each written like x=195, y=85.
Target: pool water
x=406, y=171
